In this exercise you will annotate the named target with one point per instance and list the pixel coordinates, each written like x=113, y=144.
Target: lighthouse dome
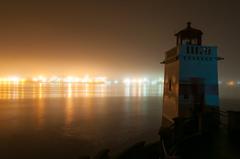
x=189, y=35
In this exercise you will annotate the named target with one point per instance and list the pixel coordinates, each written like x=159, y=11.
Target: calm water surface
x=70, y=120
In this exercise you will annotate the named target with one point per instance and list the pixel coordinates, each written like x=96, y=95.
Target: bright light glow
x=39, y=78
x=14, y=79
x=145, y=80
x=133, y=80
x=99, y=79
x=161, y=80
x=230, y=83
x=154, y=82
x=54, y=79
x=83, y=79
x=71, y=79
x=126, y=81
x=142, y=81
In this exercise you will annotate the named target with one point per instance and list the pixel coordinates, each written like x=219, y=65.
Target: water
x=71, y=120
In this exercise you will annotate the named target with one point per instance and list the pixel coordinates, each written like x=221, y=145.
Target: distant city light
x=97, y=80
x=55, y=79
x=39, y=78
x=231, y=83
x=71, y=79
x=142, y=81
x=126, y=81
x=145, y=80
x=154, y=82
x=83, y=79
x=12, y=79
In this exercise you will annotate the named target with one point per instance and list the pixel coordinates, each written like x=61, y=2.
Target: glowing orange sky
x=108, y=38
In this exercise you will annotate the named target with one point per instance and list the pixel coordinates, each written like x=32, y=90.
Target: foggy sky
x=113, y=38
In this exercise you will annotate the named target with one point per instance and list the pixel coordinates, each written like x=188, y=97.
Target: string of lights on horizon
x=76, y=79
x=95, y=80
x=15, y=87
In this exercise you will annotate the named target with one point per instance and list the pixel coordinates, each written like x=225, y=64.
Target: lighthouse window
x=194, y=41
x=196, y=50
x=192, y=50
x=197, y=58
x=209, y=51
x=205, y=50
x=187, y=49
x=186, y=41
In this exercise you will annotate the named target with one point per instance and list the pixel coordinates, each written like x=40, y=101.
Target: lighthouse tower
x=191, y=76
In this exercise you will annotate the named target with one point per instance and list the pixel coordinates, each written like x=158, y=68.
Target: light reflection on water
x=69, y=120
x=46, y=90
x=39, y=120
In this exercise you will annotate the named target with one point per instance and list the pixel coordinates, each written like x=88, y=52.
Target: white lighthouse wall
x=200, y=62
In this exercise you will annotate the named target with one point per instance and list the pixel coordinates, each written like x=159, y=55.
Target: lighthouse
x=190, y=76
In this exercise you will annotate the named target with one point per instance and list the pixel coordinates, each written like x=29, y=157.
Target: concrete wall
x=170, y=95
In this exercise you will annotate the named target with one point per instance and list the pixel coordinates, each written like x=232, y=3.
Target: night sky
x=112, y=38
